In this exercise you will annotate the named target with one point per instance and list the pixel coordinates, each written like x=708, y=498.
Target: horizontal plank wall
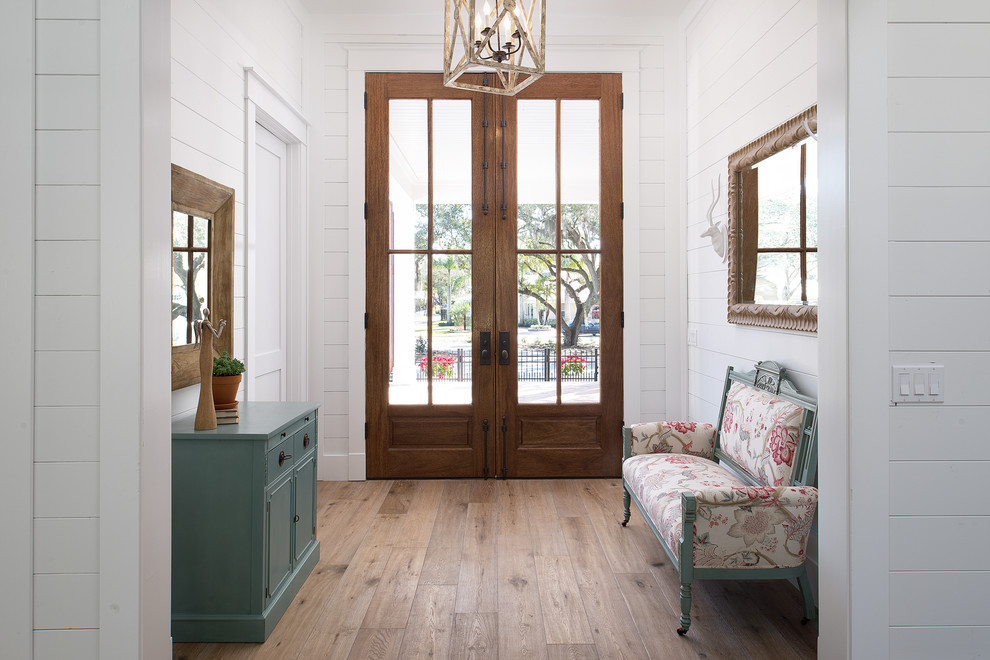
x=353, y=44
x=17, y=134
x=67, y=335
x=749, y=67
x=939, y=309
x=212, y=42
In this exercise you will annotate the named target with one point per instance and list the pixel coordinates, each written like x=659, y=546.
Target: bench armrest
x=742, y=527
x=668, y=438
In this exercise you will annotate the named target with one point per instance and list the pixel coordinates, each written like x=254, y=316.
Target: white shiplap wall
x=346, y=57
x=750, y=66
x=938, y=111
x=67, y=335
x=212, y=42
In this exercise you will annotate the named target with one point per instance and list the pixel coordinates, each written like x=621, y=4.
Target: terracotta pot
x=225, y=389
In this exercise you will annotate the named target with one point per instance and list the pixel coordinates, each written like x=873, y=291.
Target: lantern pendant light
x=508, y=40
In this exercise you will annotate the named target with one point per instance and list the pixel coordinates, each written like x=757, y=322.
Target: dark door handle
x=486, y=348
x=503, y=347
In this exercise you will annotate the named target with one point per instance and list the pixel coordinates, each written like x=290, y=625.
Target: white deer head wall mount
x=717, y=231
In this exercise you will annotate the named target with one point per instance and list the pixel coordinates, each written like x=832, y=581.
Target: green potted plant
x=226, y=379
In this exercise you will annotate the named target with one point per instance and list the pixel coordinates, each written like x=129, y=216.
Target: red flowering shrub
x=443, y=366
x=572, y=365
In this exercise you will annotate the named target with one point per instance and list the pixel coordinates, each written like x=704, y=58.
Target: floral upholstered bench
x=750, y=521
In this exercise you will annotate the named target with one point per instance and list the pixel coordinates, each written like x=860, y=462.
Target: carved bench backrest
x=767, y=431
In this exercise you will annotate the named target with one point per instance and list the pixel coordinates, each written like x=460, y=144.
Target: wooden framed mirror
x=202, y=267
x=773, y=228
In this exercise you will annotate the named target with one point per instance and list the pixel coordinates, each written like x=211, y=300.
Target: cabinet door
x=305, y=493
x=279, y=503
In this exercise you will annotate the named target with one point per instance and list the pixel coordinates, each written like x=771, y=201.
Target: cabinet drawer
x=280, y=459
x=305, y=440
x=288, y=432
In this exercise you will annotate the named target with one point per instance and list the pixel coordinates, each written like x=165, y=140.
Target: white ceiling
x=625, y=8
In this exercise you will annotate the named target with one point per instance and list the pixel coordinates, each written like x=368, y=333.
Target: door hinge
x=366, y=100
x=622, y=211
x=366, y=210
x=622, y=100
x=622, y=320
x=366, y=430
x=366, y=320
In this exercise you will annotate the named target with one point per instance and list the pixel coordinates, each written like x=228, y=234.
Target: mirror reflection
x=190, y=274
x=785, y=234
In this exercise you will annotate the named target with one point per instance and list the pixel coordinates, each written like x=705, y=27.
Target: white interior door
x=267, y=364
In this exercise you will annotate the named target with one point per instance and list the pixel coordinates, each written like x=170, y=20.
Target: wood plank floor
x=509, y=569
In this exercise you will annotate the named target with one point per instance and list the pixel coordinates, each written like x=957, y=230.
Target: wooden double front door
x=494, y=281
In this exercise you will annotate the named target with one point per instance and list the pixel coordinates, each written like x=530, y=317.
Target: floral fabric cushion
x=673, y=437
x=737, y=525
x=760, y=432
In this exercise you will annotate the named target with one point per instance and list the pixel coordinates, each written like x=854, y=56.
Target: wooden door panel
x=442, y=433
x=417, y=432
x=565, y=427
x=543, y=432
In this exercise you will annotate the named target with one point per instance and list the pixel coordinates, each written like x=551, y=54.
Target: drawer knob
x=282, y=456
x=296, y=519
x=305, y=440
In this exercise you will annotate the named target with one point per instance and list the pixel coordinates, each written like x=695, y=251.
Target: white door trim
x=17, y=122
x=265, y=106
x=363, y=57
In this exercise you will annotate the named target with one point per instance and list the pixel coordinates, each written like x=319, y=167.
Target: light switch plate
x=917, y=383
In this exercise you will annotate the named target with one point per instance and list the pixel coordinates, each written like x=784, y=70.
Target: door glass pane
x=180, y=229
x=811, y=192
x=579, y=175
x=408, y=165
x=451, y=174
x=580, y=329
x=779, y=191
x=407, y=334
x=537, y=172
x=778, y=278
x=451, y=363
x=201, y=232
x=180, y=320
x=201, y=284
x=536, y=354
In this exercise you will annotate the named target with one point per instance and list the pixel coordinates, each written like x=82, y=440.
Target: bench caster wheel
x=681, y=632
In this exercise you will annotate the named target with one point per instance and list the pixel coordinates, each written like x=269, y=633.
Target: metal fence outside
x=534, y=364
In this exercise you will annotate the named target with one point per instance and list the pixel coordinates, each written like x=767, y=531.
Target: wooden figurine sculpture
x=206, y=415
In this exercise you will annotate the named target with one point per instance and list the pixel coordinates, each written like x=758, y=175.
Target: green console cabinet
x=243, y=520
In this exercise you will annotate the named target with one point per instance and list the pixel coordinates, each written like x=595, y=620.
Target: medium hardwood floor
x=509, y=569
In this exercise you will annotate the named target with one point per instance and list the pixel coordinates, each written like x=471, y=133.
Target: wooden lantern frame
x=463, y=53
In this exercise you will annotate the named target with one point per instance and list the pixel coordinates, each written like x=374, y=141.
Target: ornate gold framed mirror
x=773, y=228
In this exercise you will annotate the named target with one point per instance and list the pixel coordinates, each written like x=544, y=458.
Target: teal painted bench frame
x=768, y=376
